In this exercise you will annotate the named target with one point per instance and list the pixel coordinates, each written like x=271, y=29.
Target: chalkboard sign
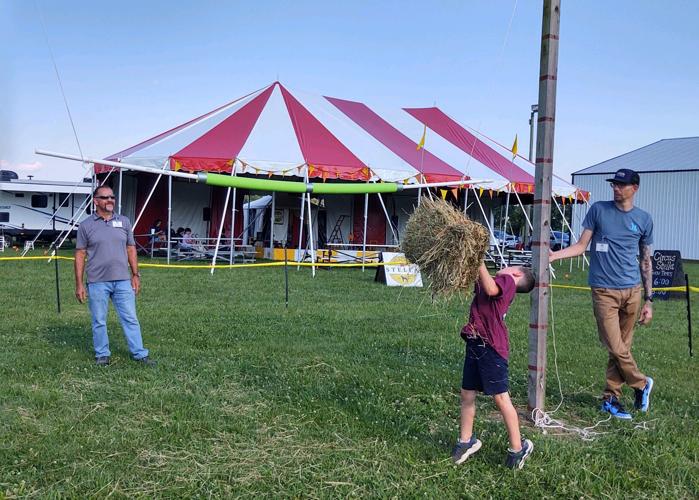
x=667, y=272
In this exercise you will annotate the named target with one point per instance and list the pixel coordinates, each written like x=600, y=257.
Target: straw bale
x=448, y=246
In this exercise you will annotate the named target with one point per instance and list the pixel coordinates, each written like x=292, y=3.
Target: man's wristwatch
x=648, y=298
x=138, y=275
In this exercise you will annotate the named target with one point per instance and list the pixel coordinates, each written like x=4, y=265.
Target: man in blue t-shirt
x=621, y=236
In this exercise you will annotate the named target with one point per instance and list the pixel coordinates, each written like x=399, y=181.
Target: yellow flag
x=514, y=148
x=443, y=192
x=421, y=144
x=480, y=192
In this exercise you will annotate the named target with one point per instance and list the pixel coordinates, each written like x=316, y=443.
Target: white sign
x=399, y=272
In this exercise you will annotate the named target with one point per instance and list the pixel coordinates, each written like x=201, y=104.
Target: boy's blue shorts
x=484, y=369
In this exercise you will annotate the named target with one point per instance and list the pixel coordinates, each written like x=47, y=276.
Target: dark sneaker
x=102, y=361
x=516, y=459
x=612, y=406
x=464, y=450
x=146, y=361
x=642, y=400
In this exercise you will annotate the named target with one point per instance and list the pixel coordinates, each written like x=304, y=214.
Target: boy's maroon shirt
x=487, y=316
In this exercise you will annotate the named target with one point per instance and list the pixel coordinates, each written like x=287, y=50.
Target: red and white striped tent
x=276, y=132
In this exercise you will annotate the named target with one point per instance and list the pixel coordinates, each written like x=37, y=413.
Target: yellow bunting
x=178, y=166
x=480, y=192
x=514, y=148
x=443, y=192
x=421, y=144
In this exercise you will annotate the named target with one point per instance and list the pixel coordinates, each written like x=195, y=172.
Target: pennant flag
x=421, y=144
x=480, y=192
x=529, y=188
x=514, y=148
x=443, y=192
x=570, y=198
x=269, y=174
x=178, y=166
x=455, y=192
x=490, y=192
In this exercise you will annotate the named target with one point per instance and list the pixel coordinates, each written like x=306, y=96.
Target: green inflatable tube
x=296, y=187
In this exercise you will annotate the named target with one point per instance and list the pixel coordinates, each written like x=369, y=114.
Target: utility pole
x=538, y=318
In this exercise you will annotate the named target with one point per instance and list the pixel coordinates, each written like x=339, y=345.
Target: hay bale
x=447, y=245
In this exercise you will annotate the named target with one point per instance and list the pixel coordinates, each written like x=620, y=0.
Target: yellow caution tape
x=306, y=264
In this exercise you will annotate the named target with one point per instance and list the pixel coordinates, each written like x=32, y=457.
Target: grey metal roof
x=678, y=154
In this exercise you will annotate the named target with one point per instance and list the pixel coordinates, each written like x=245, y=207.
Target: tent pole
x=169, y=213
x=565, y=223
x=233, y=210
x=507, y=215
x=121, y=176
x=388, y=218
x=220, y=230
x=487, y=222
x=310, y=231
x=366, y=212
x=299, y=256
x=521, y=205
x=466, y=202
x=145, y=204
x=271, y=226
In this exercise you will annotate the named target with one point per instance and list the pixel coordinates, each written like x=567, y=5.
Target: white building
x=669, y=190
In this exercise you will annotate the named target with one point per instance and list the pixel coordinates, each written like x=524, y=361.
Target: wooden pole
x=538, y=318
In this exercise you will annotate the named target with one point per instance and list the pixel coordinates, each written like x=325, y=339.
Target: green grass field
x=352, y=391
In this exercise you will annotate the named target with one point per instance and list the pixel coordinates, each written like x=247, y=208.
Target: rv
x=28, y=206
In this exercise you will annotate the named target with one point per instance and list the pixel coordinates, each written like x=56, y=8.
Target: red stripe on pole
x=541, y=202
x=546, y=119
x=547, y=77
x=533, y=368
x=544, y=160
x=549, y=37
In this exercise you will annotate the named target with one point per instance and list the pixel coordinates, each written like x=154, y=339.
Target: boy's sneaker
x=464, y=450
x=102, y=360
x=516, y=459
x=612, y=406
x=642, y=400
x=146, y=362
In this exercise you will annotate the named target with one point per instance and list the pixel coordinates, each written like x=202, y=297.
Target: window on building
x=62, y=197
x=40, y=201
x=19, y=195
x=4, y=216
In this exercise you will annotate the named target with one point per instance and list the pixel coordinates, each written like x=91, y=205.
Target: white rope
x=545, y=421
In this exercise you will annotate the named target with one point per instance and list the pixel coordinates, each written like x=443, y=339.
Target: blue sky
x=628, y=71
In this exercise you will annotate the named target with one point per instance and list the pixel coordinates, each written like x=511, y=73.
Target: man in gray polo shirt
x=106, y=239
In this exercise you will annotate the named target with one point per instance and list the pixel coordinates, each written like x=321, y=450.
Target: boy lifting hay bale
x=449, y=249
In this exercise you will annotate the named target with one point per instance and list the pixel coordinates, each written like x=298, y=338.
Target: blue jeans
x=124, y=300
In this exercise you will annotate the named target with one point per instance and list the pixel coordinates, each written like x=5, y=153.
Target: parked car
x=510, y=240
x=559, y=240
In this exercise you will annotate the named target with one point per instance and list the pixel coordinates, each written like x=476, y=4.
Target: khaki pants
x=616, y=312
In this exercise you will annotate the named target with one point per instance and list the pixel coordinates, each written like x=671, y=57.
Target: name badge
x=117, y=223
x=602, y=247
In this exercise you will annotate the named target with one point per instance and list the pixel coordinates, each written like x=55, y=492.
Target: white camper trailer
x=27, y=206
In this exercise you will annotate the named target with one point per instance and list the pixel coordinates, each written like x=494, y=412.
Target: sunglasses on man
x=112, y=197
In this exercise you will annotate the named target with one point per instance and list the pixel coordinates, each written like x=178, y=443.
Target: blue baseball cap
x=626, y=176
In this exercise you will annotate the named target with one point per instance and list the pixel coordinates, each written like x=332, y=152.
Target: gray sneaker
x=102, y=361
x=515, y=460
x=464, y=450
x=146, y=361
